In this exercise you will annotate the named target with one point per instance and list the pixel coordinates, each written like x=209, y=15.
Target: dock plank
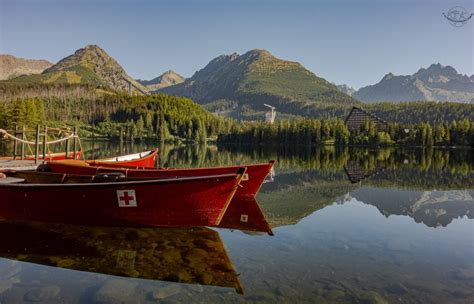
x=17, y=164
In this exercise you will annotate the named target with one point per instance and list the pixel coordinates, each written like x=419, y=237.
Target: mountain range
x=243, y=83
x=435, y=83
x=11, y=66
x=166, y=79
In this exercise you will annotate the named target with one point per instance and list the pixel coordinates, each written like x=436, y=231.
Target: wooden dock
x=9, y=164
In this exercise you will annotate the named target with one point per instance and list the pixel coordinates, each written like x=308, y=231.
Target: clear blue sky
x=352, y=42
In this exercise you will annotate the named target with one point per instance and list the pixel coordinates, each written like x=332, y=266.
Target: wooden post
x=23, y=144
x=75, y=143
x=37, y=143
x=45, y=139
x=67, y=148
x=15, y=144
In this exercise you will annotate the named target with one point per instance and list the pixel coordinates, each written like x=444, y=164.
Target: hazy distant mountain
x=166, y=79
x=440, y=83
x=344, y=88
x=255, y=78
x=89, y=65
x=11, y=66
x=433, y=208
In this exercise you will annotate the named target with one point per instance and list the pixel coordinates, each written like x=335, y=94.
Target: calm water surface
x=350, y=226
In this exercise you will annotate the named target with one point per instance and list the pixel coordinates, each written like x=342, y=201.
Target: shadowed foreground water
x=350, y=226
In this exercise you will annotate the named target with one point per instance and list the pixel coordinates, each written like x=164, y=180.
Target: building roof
x=366, y=113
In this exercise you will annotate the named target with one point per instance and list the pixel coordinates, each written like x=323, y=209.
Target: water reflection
x=350, y=225
x=245, y=214
x=432, y=208
x=193, y=256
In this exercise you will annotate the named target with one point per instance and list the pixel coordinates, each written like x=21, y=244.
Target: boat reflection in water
x=185, y=255
x=245, y=214
x=195, y=255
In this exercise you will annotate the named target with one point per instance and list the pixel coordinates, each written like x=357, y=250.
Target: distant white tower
x=270, y=116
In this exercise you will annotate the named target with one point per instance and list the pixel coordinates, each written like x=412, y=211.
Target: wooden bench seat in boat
x=11, y=180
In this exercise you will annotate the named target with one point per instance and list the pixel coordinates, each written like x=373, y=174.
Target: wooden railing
x=41, y=139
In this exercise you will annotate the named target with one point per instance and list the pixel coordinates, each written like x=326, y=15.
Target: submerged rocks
x=116, y=291
x=372, y=297
x=9, y=268
x=165, y=292
x=44, y=294
x=7, y=284
x=8, y=275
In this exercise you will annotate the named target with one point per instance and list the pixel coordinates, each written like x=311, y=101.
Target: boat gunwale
x=239, y=173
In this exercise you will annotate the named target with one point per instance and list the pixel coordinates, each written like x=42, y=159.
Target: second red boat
x=251, y=181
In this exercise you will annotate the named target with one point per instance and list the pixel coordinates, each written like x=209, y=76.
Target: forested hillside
x=168, y=118
x=157, y=117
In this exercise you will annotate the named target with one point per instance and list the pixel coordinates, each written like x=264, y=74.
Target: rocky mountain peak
x=344, y=88
x=258, y=53
x=94, y=64
x=388, y=76
x=166, y=79
x=436, y=70
x=11, y=66
x=254, y=78
x=437, y=82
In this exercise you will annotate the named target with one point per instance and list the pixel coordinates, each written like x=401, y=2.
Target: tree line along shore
x=167, y=118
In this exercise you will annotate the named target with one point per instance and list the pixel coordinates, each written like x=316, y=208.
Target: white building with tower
x=270, y=116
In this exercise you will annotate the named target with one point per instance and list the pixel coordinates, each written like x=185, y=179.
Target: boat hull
x=251, y=182
x=186, y=202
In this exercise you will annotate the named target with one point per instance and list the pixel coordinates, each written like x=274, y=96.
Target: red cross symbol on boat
x=126, y=198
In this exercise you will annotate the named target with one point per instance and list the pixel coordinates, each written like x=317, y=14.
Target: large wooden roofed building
x=357, y=118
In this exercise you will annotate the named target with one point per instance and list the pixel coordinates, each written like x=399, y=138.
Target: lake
x=392, y=225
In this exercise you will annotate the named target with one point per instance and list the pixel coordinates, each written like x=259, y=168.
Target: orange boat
x=251, y=182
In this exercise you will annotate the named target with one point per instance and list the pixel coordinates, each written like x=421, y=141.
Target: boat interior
x=35, y=177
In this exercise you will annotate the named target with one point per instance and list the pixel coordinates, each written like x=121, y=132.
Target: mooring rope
x=5, y=133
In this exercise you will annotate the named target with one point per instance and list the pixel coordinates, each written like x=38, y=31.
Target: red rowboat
x=102, y=200
x=49, y=156
x=251, y=182
x=138, y=160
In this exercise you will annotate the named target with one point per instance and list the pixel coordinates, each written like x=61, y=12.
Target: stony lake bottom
x=392, y=225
